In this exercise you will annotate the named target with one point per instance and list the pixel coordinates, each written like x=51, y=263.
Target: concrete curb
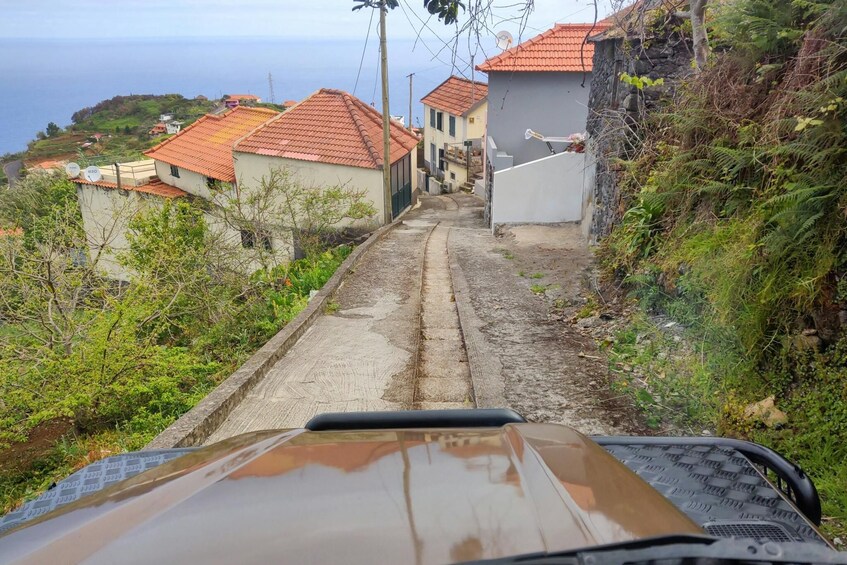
x=193, y=427
x=483, y=363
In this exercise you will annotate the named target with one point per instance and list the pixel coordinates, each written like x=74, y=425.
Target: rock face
x=614, y=106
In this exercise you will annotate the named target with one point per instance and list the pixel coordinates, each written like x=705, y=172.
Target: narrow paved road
x=368, y=354
x=395, y=340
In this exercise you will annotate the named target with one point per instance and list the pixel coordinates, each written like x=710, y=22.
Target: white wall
x=548, y=190
x=189, y=181
x=106, y=213
x=552, y=103
x=251, y=168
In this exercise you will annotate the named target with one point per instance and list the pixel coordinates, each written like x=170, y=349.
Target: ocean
x=48, y=80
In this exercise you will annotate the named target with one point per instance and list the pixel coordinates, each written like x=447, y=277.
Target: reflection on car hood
x=424, y=496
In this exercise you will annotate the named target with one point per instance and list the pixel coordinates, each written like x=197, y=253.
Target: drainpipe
x=118, y=174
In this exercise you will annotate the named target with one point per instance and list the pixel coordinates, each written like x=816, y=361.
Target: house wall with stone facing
x=615, y=106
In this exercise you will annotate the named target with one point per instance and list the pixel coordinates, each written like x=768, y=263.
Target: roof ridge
x=254, y=109
x=393, y=132
x=357, y=119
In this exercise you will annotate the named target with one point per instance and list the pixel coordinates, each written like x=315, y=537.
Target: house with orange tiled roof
x=455, y=113
x=199, y=158
x=234, y=100
x=195, y=165
x=539, y=91
x=331, y=139
x=541, y=84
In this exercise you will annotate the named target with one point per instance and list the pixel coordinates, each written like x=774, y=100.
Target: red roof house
x=541, y=85
x=332, y=138
x=456, y=95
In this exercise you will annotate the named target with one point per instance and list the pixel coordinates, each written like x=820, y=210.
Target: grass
x=505, y=253
x=690, y=383
x=537, y=276
x=538, y=288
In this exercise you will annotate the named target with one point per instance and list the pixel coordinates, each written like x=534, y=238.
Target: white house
x=190, y=165
x=331, y=139
x=173, y=127
x=541, y=85
x=455, y=114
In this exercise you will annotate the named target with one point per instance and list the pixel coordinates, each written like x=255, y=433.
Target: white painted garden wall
x=548, y=190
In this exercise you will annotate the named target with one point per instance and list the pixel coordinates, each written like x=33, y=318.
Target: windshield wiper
x=684, y=549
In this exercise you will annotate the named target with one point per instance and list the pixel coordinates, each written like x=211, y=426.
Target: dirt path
x=539, y=365
x=440, y=313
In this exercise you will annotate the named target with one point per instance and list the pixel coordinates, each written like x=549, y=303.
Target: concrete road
x=368, y=353
x=393, y=340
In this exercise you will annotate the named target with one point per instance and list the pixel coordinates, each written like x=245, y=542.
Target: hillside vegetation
x=123, y=123
x=89, y=367
x=736, y=226
x=139, y=110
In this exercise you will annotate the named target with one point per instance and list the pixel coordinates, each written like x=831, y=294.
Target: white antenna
x=504, y=39
x=92, y=174
x=72, y=169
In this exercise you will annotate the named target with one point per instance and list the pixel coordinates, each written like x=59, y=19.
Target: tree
x=52, y=129
x=282, y=204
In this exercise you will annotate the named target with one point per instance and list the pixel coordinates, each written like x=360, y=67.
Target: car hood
x=424, y=496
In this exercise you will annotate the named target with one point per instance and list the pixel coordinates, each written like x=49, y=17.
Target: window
x=452, y=176
x=452, y=126
x=470, y=120
x=442, y=164
x=249, y=238
x=431, y=117
x=174, y=171
x=432, y=155
x=213, y=184
x=439, y=121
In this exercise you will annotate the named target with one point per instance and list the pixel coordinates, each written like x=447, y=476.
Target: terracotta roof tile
x=456, y=95
x=242, y=97
x=205, y=146
x=555, y=50
x=330, y=126
x=155, y=186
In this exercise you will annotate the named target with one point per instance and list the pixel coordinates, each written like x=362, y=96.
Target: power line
x=364, y=49
x=446, y=45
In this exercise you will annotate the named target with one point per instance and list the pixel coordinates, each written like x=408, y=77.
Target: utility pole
x=410, y=75
x=386, y=119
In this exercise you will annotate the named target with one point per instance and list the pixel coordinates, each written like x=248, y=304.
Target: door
x=401, y=185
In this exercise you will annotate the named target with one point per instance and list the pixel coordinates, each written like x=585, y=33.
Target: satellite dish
x=504, y=39
x=72, y=169
x=92, y=174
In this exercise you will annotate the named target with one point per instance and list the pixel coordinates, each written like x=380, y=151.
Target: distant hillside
x=138, y=111
x=114, y=129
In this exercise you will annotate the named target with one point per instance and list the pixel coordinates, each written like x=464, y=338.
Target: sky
x=307, y=20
